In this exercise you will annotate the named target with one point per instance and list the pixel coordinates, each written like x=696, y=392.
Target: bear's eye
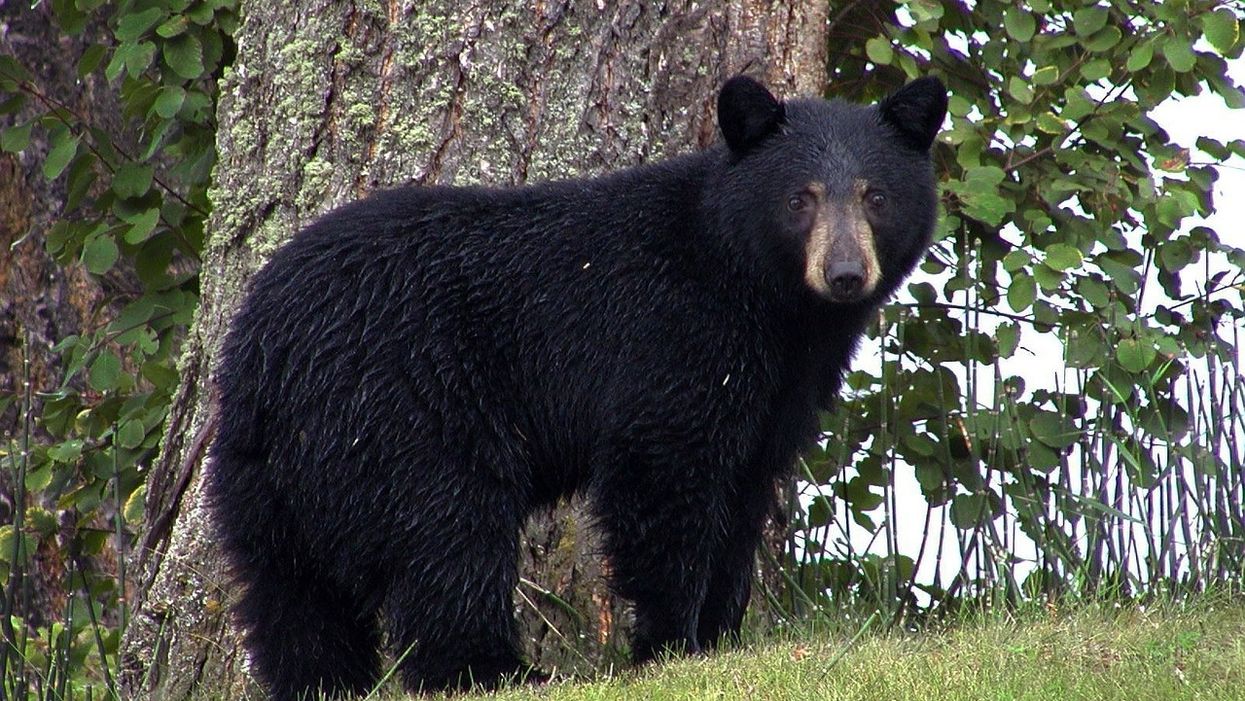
x=875, y=199
x=799, y=202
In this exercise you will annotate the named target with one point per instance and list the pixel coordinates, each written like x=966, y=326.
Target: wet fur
x=415, y=373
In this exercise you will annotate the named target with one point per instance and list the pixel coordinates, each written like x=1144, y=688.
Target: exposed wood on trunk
x=327, y=101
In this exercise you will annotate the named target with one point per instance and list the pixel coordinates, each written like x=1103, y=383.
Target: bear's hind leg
x=305, y=638
x=661, y=537
x=450, y=612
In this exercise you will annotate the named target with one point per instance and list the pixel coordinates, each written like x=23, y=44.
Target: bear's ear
x=747, y=113
x=916, y=111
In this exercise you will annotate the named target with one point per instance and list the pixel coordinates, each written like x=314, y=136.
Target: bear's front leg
x=730, y=586
x=663, y=529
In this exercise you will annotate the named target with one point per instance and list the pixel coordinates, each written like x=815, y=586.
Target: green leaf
x=13, y=104
x=1020, y=89
x=1022, y=292
x=134, y=25
x=1140, y=56
x=1019, y=24
x=100, y=254
x=1061, y=256
x=1175, y=255
x=11, y=70
x=157, y=138
x=930, y=477
x=142, y=226
x=1094, y=291
x=984, y=178
x=1222, y=29
x=57, y=236
x=1007, y=336
x=228, y=21
x=1055, y=430
x=1049, y=123
x=1016, y=259
x=1135, y=355
x=9, y=543
x=38, y=480
x=134, y=314
x=1087, y=21
x=1177, y=205
x=66, y=451
x=1106, y=38
x=140, y=58
x=987, y=207
x=91, y=58
x=1179, y=54
x=202, y=14
x=117, y=63
x=105, y=373
x=78, y=180
x=160, y=375
x=1096, y=70
x=820, y=512
x=879, y=50
x=1046, y=75
x=133, y=58
x=170, y=101
x=1048, y=279
x=133, y=512
x=1123, y=274
x=173, y=26
x=184, y=54
x=1233, y=95
x=1215, y=149
x=71, y=19
x=132, y=180
x=213, y=50
x=1037, y=222
x=967, y=510
x=130, y=434
x=64, y=146
x=1077, y=103
x=15, y=139
x=925, y=10
x=1042, y=458
x=919, y=444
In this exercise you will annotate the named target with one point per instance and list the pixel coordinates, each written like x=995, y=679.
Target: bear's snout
x=841, y=260
x=846, y=280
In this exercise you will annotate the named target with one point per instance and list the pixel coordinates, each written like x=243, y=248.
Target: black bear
x=415, y=373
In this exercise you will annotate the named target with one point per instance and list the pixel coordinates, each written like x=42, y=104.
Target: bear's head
x=842, y=196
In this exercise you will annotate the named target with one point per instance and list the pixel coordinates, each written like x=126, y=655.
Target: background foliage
x=1066, y=369
x=1069, y=236
x=134, y=208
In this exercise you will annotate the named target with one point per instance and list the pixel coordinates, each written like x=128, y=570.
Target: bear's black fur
x=415, y=373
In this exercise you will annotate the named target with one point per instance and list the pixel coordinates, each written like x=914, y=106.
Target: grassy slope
x=1129, y=654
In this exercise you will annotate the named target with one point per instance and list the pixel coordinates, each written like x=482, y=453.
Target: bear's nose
x=846, y=279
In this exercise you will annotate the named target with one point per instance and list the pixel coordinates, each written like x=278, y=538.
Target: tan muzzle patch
x=840, y=259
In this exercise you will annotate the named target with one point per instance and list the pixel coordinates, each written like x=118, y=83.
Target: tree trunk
x=327, y=101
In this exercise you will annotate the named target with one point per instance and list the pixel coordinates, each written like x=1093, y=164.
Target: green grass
x=1169, y=652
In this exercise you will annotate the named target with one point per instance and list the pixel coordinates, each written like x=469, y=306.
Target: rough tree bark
x=329, y=100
